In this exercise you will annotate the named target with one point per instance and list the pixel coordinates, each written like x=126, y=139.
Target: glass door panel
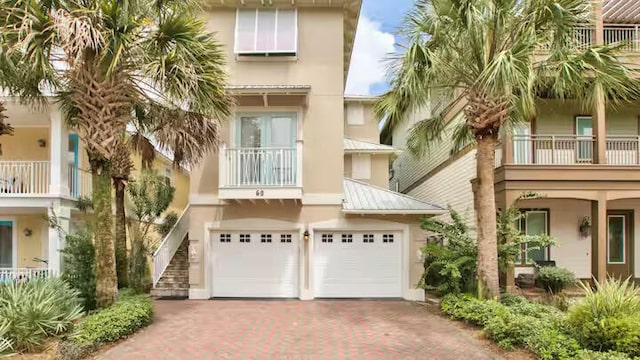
x=6, y=244
x=536, y=224
x=522, y=144
x=584, y=132
x=616, y=239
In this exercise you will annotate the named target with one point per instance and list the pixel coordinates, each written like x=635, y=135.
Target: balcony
x=626, y=35
x=261, y=173
x=573, y=150
x=33, y=179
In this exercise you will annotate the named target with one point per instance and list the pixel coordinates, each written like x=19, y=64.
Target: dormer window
x=266, y=32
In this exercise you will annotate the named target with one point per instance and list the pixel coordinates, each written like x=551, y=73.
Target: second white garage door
x=255, y=264
x=357, y=264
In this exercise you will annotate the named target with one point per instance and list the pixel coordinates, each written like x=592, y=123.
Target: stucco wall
x=23, y=145
x=368, y=131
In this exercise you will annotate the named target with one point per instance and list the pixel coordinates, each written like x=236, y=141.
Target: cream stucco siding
x=368, y=130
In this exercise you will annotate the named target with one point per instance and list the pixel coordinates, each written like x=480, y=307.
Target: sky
x=375, y=40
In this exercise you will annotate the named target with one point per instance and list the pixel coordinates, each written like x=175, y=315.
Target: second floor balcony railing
x=573, y=150
x=626, y=35
x=250, y=167
x=24, y=177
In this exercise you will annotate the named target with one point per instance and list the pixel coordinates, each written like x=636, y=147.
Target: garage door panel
x=255, y=264
x=357, y=265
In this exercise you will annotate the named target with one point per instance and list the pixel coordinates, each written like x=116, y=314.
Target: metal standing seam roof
x=621, y=11
x=351, y=145
x=363, y=198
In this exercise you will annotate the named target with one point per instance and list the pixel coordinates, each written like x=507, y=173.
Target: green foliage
x=552, y=344
x=597, y=321
x=624, y=334
x=554, y=279
x=139, y=273
x=150, y=195
x=170, y=219
x=84, y=204
x=512, y=329
x=116, y=322
x=32, y=311
x=451, y=267
x=596, y=355
x=79, y=266
x=470, y=309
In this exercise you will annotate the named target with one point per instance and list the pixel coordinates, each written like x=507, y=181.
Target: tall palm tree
x=485, y=54
x=102, y=58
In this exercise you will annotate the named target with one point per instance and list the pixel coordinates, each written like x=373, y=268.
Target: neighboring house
x=43, y=171
x=295, y=204
x=585, y=165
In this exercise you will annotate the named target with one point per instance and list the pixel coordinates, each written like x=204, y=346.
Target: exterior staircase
x=174, y=281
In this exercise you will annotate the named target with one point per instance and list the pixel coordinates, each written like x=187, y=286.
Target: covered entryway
x=254, y=264
x=357, y=264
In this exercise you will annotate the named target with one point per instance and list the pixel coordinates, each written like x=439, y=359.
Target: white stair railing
x=169, y=245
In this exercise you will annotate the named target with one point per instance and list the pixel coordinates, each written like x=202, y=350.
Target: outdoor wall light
x=585, y=227
x=27, y=232
x=306, y=235
x=42, y=143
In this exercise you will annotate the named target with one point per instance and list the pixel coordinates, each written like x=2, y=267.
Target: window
x=355, y=114
x=361, y=166
x=387, y=238
x=534, y=222
x=168, y=174
x=225, y=238
x=367, y=238
x=266, y=32
x=347, y=238
x=7, y=248
x=327, y=238
x=265, y=238
x=285, y=238
x=616, y=239
x=245, y=238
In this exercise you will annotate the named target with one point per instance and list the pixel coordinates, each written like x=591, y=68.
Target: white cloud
x=371, y=47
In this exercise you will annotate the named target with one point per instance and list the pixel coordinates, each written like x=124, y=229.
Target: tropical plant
x=34, y=310
x=150, y=196
x=107, y=60
x=79, y=266
x=596, y=318
x=554, y=279
x=169, y=221
x=485, y=56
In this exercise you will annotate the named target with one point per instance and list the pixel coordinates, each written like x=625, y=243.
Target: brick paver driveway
x=299, y=330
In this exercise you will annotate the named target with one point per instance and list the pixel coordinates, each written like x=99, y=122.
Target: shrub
x=555, y=279
x=470, y=309
x=593, y=320
x=116, y=322
x=139, y=273
x=596, y=355
x=35, y=310
x=79, y=266
x=624, y=334
x=552, y=344
x=511, y=329
x=510, y=299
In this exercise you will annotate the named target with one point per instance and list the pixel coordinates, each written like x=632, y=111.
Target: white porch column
x=59, y=149
x=57, y=236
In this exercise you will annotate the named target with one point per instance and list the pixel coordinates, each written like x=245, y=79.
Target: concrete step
x=168, y=285
x=178, y=292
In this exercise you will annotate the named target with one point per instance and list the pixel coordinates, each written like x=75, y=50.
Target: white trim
x=395, y=212
x=624, y=240
x=322, y=199
x=373, y=151
x=14, y=240
x=199, y=294
x=265, y=192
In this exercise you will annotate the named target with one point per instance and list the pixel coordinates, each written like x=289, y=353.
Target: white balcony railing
x=572, y=150
x=24, y=177
x=626, y=35
x=8, y=275
x=553, y=149
x=169, y=245
x=250, y=167
x=79, y=182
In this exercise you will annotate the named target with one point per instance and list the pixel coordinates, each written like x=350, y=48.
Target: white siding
x=451, y=187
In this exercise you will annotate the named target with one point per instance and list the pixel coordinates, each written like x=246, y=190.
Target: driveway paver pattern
x=321, y=329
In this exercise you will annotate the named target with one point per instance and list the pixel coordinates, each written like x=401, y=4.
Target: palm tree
x=485, y=55
x=188, y=136
x=102, y=58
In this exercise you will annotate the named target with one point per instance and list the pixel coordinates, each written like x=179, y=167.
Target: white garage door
x=353, y=264
x=255, y=264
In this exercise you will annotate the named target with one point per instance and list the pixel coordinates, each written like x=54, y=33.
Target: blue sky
x=379, y=21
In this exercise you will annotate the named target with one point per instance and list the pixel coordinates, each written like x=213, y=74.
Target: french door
x=7, y=249
x=584, y=137
x=619, y=234
x=266, y=151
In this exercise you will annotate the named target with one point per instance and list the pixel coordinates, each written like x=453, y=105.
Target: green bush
x=116, y=322
x=624, y=334
x=552, y=344
x=555, y=279
x=510, y=299
x=594, y=320
x=139, y=273
x=512, y=329
x=79, y=266
x=32, y=311
x=472, y=310
x=596, y=355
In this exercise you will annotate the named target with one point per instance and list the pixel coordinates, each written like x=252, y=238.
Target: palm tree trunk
x=106, y=279
x=488, y=277
x=122, y=266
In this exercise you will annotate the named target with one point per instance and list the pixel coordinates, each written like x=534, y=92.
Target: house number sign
x=259, y=192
